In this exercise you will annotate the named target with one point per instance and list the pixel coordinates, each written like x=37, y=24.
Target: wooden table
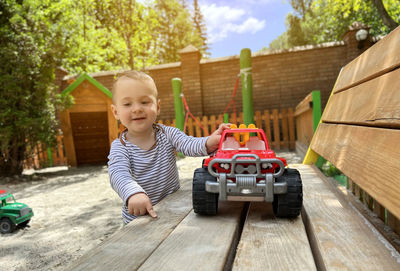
x=329, y=235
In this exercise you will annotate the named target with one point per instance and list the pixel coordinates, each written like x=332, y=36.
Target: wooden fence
x=39, y=157
x=278, y=126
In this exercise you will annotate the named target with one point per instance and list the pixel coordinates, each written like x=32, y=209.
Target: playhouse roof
x=93, y=81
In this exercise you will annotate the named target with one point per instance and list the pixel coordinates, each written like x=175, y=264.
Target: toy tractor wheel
x=6, y=225
x=289, y=205
x=204, y=203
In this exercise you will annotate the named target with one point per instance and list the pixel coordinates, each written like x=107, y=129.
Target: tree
x=175, y=30
x=30, y=50
x=387, y=20
x=200, y=28
x=327, y=20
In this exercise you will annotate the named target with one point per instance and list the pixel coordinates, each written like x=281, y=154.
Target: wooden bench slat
x=269, y=243
x=341, y=238
x=130, y=246
x=369, y=156
x=373, y=103
x=199, y=242
x=377, y=60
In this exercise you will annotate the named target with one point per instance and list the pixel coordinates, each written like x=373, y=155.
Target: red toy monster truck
x=244, y=168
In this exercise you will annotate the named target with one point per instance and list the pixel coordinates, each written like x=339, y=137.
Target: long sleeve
x=120, y=172
x=188, y=145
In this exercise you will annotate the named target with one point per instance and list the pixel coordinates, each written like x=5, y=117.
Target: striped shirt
x=154, y=172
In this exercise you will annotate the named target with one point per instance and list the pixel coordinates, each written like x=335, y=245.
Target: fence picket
x=277, y=139
x=258, y=119
x=267, y=125
x=292, y=138
x=190, y=127
x=205, y=125
x=213, y=123
x=285, y=133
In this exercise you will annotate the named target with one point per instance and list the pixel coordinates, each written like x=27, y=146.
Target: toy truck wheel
x=6, y=225
x=289, y=205
x=204, y=203
x=23, y=224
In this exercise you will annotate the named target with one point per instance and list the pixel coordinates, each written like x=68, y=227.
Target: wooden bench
x=359, y=133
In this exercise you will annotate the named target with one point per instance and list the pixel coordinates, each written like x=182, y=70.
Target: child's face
x=135, y=105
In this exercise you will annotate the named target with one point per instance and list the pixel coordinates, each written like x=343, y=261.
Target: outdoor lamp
x=361, y=36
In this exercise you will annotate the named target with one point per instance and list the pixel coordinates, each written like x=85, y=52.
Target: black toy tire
x=204, y=203
x=24, y=224
x=289, y=205
x=6, y=225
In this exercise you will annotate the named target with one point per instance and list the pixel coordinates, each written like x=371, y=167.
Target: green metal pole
x=50, y=156
x=316, y=110
x=179, y=112
x=178, y=104
x=226, y=118
x=247, y=86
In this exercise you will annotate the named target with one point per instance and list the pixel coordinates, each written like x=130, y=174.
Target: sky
x=234, y=25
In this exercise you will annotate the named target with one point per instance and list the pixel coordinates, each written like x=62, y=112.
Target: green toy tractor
x=12, y=213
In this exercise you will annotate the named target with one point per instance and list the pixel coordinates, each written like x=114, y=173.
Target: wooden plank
x=204, y=122
x=373, y=103
x=199, y=242
x=68, y=138
x=304, y=105
x=285, y=132
x=305, y=128
x=377, y=60
x=258, y=119
x=190, y=127
x=292, y=138
x=369, y=156
x=213, y=124
x=275, y=120
x=341, y=238
x=130, y=247
x=198, y=130
x=267, y=122
x=269, y=243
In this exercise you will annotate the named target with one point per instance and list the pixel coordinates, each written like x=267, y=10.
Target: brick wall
x=281, y=79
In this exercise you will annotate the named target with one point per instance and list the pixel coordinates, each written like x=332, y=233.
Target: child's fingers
x=222, y=127
x=150, y=210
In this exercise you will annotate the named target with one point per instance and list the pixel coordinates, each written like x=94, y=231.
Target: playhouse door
x=90, y=133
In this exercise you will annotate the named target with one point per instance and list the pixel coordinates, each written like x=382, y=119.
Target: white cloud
x=223, y=20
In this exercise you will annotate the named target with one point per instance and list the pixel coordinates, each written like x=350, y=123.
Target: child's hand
x=214, y=138
x=140, y=204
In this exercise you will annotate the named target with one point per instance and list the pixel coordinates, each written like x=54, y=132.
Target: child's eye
x=126, y=104
x=145, y=102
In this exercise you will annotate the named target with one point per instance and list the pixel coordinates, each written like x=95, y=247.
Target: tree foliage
x=29, y=50
x=36, y=36
x=317, y=21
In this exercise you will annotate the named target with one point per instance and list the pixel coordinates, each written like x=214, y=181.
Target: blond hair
x=136, y=75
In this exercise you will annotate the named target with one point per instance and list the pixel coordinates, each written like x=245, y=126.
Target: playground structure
x=358, y=132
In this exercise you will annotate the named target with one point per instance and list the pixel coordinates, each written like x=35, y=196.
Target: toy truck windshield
x=242, y=141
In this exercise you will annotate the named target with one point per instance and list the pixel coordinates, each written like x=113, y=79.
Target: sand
x=75, y=210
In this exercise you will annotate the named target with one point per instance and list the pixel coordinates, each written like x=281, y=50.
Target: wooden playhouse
x=88, y=126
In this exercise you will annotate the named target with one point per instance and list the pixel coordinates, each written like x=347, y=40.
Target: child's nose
x=137, y=107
